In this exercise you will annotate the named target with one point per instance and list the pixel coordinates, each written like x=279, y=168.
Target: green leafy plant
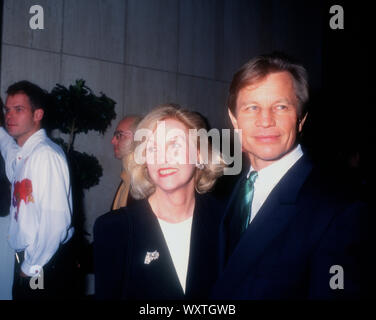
x=72, y=111
x=75, y=110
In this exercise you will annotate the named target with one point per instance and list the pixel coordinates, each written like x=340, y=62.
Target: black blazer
x=303, y=228
x=122, y=239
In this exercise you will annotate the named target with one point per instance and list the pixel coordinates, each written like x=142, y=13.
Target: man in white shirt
x=41, y=208
x=288, y=232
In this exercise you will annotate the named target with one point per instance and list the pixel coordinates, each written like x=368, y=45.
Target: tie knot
x=249, y=186
x=252, y=176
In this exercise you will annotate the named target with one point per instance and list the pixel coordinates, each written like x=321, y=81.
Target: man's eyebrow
x=288, y=101
x=124, y=133
x=17, y=106
x=248, y=102
x=283, y=100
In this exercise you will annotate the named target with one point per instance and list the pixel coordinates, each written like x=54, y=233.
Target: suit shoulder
x=326, y=187
x=120, y=218
x=330, y=203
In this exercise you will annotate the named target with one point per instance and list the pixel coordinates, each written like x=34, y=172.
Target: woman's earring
x=200, y=166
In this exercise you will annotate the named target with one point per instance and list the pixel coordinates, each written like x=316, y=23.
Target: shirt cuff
x=30, y=270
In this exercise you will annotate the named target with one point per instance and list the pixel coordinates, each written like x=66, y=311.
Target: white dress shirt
x=269, y=176
x=41, y=208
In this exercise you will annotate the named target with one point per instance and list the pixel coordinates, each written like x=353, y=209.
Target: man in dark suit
x=288, y=232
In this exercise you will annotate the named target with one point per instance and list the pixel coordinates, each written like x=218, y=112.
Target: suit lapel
x=203, y=258
x=163, y=266
x=198, y=233
x=225, y=225
x=272, y=218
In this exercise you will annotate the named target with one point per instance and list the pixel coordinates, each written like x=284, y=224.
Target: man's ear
x=38, y=114
x=233, y=119
x=301, y=122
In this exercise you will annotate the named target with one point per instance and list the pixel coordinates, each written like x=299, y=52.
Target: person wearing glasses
x=122, y=142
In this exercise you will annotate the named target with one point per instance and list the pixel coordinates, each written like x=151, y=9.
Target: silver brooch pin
x=150, y=256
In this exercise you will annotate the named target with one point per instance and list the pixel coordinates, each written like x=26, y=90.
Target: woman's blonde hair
x=141, y=184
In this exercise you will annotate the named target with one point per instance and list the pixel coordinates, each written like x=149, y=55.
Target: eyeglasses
x=119, y=135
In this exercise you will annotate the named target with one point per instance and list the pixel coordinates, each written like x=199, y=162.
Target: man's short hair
x=37, y=96
x=261, y=66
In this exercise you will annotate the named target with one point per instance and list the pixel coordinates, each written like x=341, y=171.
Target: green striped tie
x=241, y=210
x=248, y=192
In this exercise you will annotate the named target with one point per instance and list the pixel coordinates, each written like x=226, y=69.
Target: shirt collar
x=274, y=172
x=31, y=142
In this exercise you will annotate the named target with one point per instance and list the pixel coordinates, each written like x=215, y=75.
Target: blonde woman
x=163, y=246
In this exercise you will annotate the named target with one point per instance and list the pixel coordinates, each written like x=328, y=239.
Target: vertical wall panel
x=152, y=34
x=16, y=29
x=197, y=38
x=244, y=26
x=28, y=64
x=205, y=96
x=95, y=29
x=145, y=88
